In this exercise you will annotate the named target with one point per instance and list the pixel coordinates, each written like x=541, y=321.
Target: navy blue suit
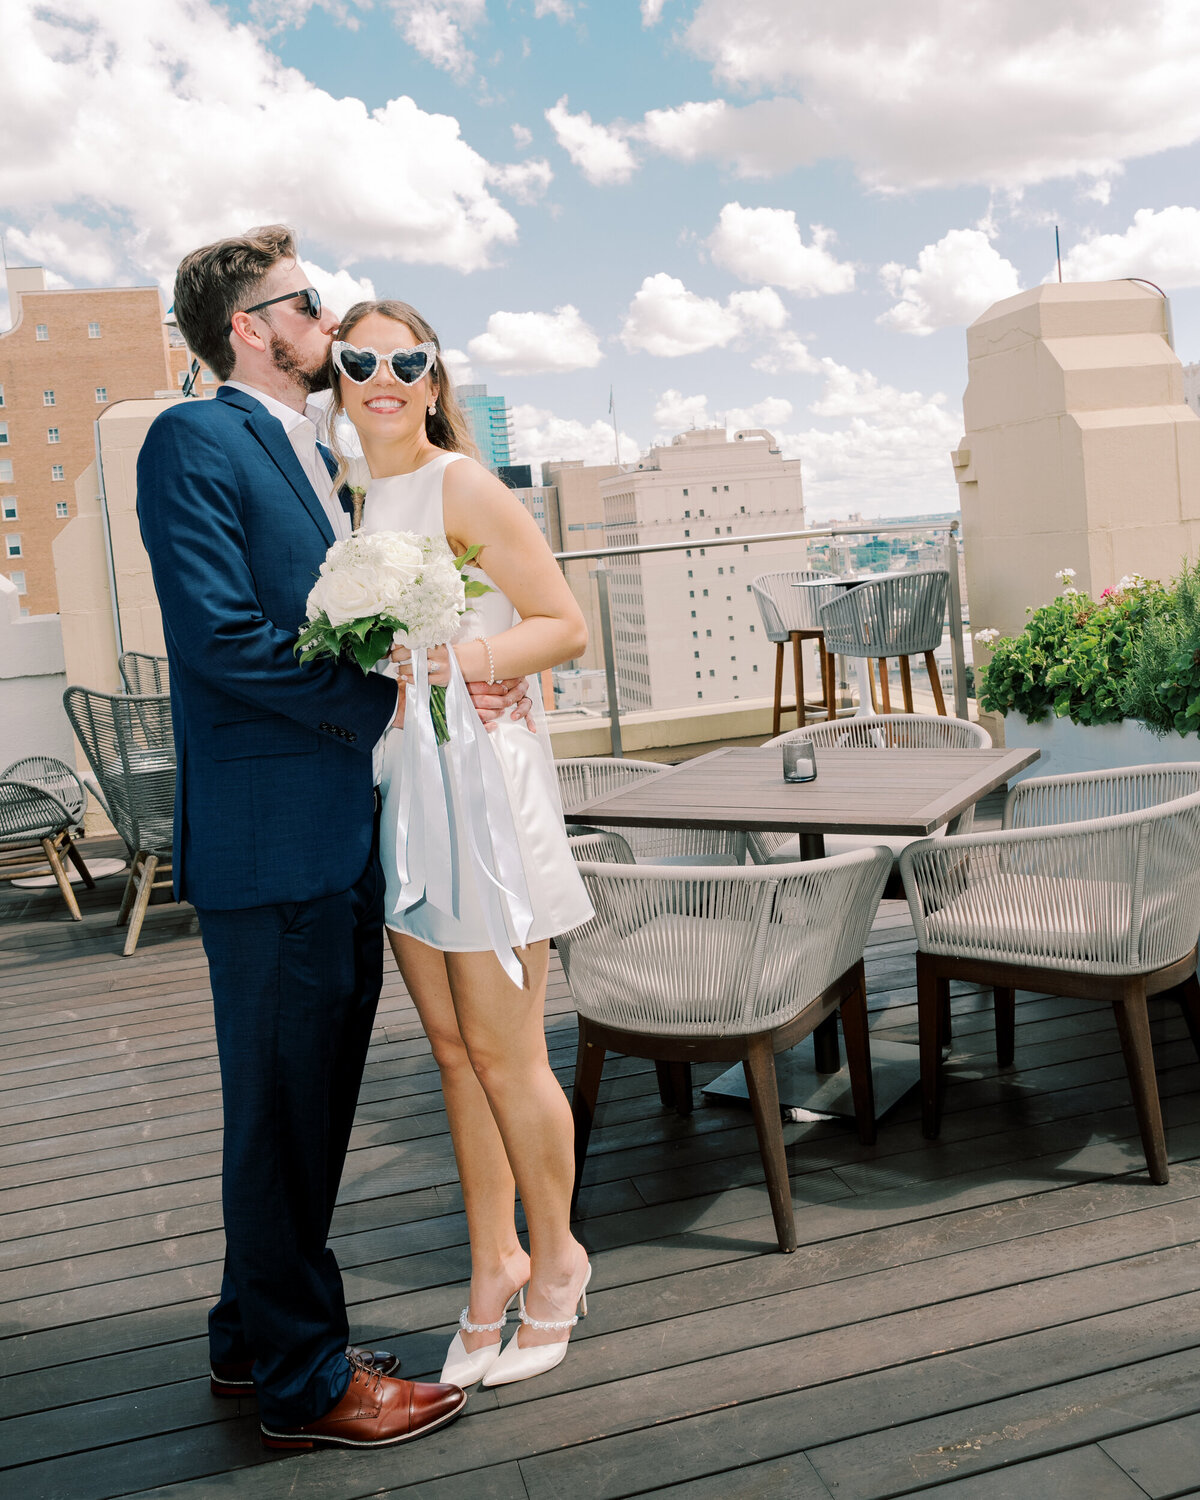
x=276, y=846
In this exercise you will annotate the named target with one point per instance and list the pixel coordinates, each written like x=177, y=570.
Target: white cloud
x=437, y=29
x=599, y=151
x=529, y=343
x=338, y=290
x=562, y=10
x=1005, y=92
x=522, y=136
x=525, y=180
x=461, y=371
x=1099, y=192
x=538, y=435
x=674, y=412
x=765, y=244
x=65, y=246
x=1164, y=247
x=652, y=12
x=771, y=412
x=790, y=355
x=666, y=319
x=275, y=15
x=173, y=122
x=953, y=282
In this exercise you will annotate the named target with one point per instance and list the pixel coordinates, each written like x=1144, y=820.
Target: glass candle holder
x=799, y=761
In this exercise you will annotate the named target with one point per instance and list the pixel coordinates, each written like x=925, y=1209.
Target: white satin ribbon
x=424, y=855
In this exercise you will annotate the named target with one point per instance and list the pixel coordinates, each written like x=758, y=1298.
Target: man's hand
x=496, y=700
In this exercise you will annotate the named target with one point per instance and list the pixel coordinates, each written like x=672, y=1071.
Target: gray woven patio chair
x=129, y=744
x=873, y=732
x=36, y=830
x=1104, y=908
x=602, y=846
x=724, y=965
x=54, y=776
x=794, y=614
x=901, y=615
x=594, y=776
x=143, y=673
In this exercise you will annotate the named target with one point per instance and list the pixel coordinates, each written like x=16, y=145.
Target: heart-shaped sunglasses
x=407, y=365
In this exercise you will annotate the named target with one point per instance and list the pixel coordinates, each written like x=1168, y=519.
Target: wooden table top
x=905, y=793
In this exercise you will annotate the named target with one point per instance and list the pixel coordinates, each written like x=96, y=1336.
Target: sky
x=763, y=213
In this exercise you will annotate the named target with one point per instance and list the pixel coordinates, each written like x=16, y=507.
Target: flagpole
x=612, y=411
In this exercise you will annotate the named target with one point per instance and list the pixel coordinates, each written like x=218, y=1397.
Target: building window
x=93, y=330
x=692, y=595
x=182, y=377
x=10, y=508
x=47, y=398
x=706, y=593
x=754, y=668
x=42, y=332
x=101, y=393
x=52, y=434
x=12, y=546
x=57, y=473
x=711, y=672
x=685, y=492
x=708, y=632
x=695, y=633
x=697, y=674
x=714, y=489
x=3, y=433
x=720, y=570
x=18, y=580
x=687, y=515
x=696, y=654
x=6, y=472
x=699, y=694
x=742, y=509
x=689, y=572
x=61, y=510
x=726, y=488
x=745, y=546
x=686, y=532
x=752, y=630
x=1, y=395
x=207, y=377
x=702, y=512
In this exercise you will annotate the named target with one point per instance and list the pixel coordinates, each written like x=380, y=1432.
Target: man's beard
x=286, y=360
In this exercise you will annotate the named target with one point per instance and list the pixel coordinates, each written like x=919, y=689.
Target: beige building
x=67, y=356
x=686, y=628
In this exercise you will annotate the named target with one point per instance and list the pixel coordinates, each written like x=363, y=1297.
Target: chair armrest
x=1046, y=801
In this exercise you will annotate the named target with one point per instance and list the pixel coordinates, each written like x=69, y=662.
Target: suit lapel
x=268, y=430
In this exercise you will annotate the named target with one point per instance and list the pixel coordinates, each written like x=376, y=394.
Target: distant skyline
x=770, y=213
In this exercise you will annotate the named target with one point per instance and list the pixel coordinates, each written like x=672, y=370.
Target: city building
x=67, y=356
x=490, y=423
x=1191, y=387
x=685, y=624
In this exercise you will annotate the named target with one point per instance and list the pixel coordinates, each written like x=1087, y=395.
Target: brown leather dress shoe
x=376, y=1411
x=231, y=1380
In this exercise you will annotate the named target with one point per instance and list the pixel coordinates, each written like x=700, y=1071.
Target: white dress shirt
x=301, y=429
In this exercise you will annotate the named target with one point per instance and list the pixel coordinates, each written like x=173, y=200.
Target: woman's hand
x=438, y=658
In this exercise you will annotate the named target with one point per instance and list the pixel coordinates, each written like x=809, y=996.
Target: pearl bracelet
x=491, y=661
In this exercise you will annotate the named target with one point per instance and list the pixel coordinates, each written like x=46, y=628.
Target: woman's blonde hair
x=447, y=427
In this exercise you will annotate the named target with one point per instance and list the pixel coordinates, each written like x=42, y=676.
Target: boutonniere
x=358, y=497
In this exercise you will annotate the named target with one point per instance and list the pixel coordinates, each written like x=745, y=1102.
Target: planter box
x=1067, y=748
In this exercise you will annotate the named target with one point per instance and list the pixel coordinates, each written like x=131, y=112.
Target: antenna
x=612, y=411
x=1058, y=252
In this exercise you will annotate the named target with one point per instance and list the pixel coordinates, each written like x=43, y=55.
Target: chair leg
x=1133, y=1026
x=131, y=888
x=830, y=671
x=681, y=1087
x=589, y=1065
x=930, y=989
x=761, y=1085
x=826, y=1054
x=935, y=682
x=1005, y=1003
x=906, y=684
x=885, y=686
x=858, y=1059
x=71, y=850
x=666, y=1085
x=871, y=680
x=137, y=914
x=60, y=876
x=778, y=709
x=1189, y=999
x=798, y=677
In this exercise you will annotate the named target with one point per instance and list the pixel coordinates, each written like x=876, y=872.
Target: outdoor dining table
x=862, y=667
x=889, y=794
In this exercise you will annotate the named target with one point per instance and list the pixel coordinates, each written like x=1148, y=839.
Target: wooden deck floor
x=1011, y=1311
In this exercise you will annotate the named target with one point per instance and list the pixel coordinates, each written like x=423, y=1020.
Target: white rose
x=348, y=593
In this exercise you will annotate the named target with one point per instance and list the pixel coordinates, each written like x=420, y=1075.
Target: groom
x=276, y=834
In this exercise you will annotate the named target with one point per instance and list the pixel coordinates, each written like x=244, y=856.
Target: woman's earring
x=433, y=409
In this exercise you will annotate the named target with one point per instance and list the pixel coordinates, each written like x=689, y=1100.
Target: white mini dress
x=554, y=899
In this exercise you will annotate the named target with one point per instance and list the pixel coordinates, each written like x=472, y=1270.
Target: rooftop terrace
x=1011, y=1310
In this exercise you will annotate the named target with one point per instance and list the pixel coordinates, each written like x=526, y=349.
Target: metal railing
x=600, y=555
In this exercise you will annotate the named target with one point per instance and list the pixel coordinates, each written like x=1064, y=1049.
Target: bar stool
x=901, y=615
x=793, y=614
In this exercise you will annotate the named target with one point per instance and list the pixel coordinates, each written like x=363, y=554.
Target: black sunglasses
x=312, y=303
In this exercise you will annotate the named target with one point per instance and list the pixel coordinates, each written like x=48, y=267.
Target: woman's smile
x=385, y=404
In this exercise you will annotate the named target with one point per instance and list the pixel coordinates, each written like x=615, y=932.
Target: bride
x=474, y=951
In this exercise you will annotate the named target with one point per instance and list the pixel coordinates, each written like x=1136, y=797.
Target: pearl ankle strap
x=464, y=1322
x=546, y=1326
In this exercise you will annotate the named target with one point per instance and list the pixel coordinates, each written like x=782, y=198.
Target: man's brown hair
x=217, y=280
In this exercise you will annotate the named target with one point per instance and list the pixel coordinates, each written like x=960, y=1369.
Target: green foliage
x=1163, y=687
x=1074, y=658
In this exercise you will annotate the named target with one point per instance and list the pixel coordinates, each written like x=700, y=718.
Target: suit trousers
x=295, y=988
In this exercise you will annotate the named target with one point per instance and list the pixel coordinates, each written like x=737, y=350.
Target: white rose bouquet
x=374, y=589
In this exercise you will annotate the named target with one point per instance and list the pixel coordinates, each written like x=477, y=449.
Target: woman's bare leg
x=499, y=1263
x=503, y=1029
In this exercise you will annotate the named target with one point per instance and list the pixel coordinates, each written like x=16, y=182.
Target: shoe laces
x=362, y=1366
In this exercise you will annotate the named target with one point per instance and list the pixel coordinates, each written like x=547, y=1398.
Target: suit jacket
x=274, y=799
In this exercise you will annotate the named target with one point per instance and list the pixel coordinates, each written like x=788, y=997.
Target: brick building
x=67, y=355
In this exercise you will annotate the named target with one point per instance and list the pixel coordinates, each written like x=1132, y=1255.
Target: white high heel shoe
x=464, y=1367
x=515, y=1363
